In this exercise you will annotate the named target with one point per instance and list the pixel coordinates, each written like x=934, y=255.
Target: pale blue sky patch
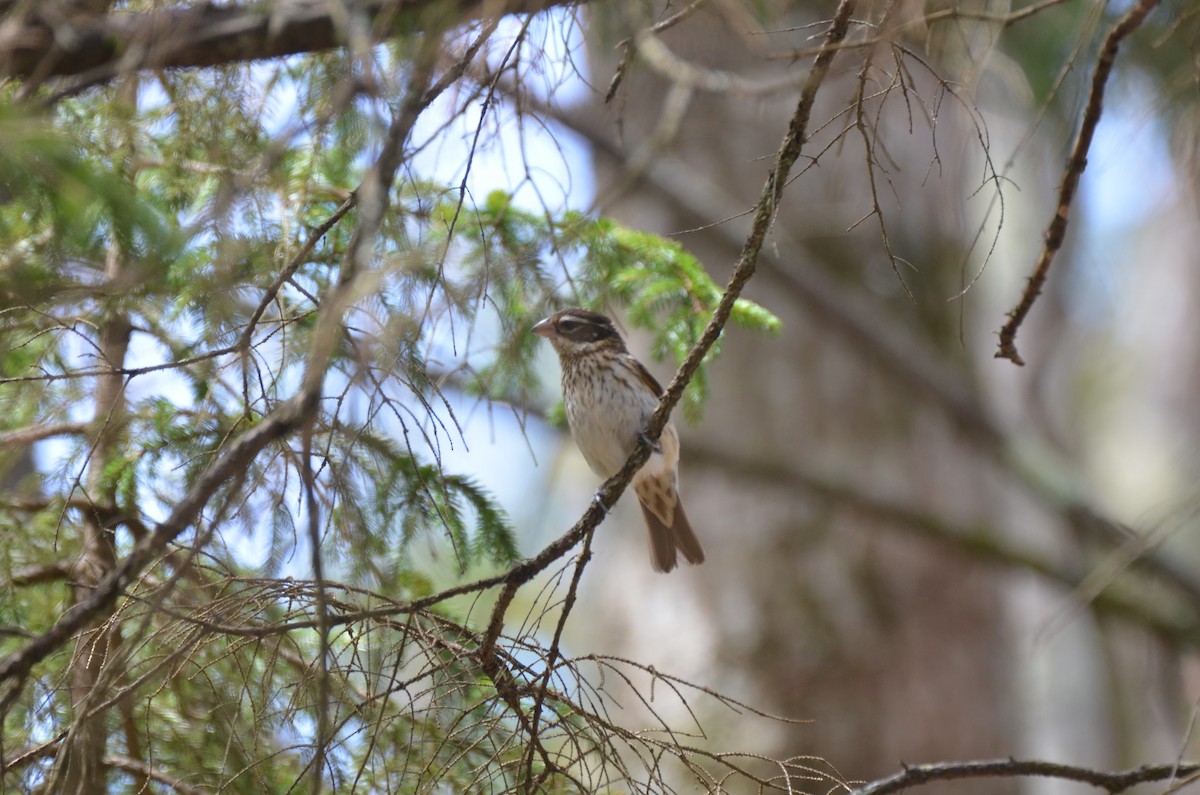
x=1129, y=179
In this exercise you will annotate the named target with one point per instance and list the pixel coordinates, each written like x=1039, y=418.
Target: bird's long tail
x=666, y=540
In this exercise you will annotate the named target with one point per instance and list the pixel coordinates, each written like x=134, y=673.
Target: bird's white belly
x=605, y=421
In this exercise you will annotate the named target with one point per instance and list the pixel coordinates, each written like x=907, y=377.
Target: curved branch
x=764, y=214
x=23, y=437
x=1057, y=231
x=45, y=572
x=137, y=767
x=1006, y=768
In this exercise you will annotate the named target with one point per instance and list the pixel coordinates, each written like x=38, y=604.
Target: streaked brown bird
x=609, y=397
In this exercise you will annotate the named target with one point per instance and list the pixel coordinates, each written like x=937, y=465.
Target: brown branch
x=100, y=47
x=1007, y=768
x=1177, y=625
x=764, y=214
x=1004, y=20
x=26, y=756
x=298, y=259
x=871, y=159
x=919, y=22
x=629, y=47
x=46, y=572
x=551, y=660
x=137, y=767
x=1057, y=231
x=23, y=437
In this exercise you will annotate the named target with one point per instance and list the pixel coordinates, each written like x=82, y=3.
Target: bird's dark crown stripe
x=593, y=326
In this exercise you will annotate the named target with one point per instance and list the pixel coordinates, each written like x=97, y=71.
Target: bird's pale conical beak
x=544, y=328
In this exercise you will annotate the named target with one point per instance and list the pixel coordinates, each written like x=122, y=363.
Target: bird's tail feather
x=666, y=540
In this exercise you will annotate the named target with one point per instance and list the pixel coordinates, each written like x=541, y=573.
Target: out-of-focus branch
x=1057, y=231
x=46, y=572
x=23, y=437
x=921, y=22
x=1180, y=625
x=98, y=47
x=1112, y=783
x=139, y=768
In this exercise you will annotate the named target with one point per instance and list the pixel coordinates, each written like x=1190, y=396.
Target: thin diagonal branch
x=1057, y=231
x=764, y=214
x=902, y=355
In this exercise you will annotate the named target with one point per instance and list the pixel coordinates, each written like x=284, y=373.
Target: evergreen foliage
x=194, y=207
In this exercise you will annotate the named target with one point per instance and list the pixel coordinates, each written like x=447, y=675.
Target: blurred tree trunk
x=80, y=765
x=17, y=466
x=82, y=756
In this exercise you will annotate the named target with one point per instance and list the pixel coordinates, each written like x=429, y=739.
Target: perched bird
x=609, y=397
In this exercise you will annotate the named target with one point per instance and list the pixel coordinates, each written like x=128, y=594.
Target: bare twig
x=764, y=214
x=871, y=158
x=297, y=260
x=551, y=660
x=1056, y=232
x=629, y=48
x=1113, y=783
x=918, y=22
